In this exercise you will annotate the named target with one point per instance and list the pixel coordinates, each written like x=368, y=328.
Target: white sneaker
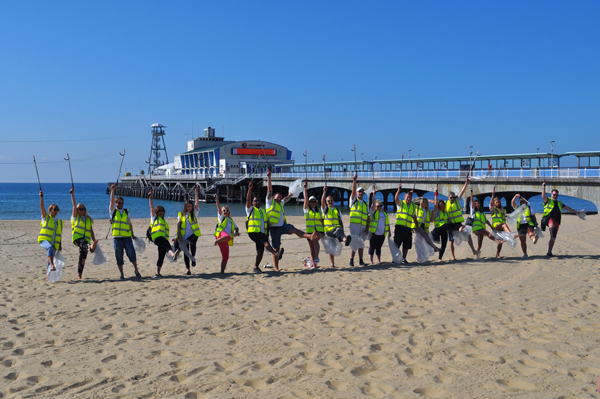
x=535, y=239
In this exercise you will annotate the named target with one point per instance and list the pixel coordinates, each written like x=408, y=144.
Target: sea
x=22, y=201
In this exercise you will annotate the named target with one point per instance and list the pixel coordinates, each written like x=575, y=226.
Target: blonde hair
x=86, y=212
x=423, y=202
x=52, y=206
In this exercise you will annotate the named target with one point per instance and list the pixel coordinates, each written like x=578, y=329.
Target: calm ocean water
x=22, y=201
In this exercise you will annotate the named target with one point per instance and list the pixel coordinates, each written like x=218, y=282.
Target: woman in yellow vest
x=526, y=223
x=379, y=226
x=440, y=219
x=425, y=219
x=188, y=231
x=333, y=225
x=82, y=232
x=159, y=233
x=226, y=230
x=479, y=223
x=314, y=222
x=552, y=215
x=50, y=237
x=498, y=218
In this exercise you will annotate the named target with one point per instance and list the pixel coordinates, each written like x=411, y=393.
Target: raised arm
x=435, y=206
x=472, y=204
x=218, y=204
x=305, y=194
x=72, y=192
x=373, y=207
x=42, y=204
x=544, y=195
x=462, y=191
x=513, y=202
x=397, y=196
x=197, y=200
x=249, y=196
x=323, y=202
x=112, y=197
x=354, y=187
x=151, y=203
x=269, y=185
x=492, y=207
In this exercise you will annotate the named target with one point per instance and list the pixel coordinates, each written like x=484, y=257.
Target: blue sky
x=433, y=77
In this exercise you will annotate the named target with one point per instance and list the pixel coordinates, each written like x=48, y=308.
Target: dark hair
x=118, y=197
x=555, y=190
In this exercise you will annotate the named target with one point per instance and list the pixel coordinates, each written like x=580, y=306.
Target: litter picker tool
x=324, y=171
x=305, y=165
x=149, y=172
x=354, y=151
x=122, y=158
x=264, y=154
x=68, y=159
x=37, y=173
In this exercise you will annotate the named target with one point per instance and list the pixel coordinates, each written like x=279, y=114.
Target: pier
x=509, y=174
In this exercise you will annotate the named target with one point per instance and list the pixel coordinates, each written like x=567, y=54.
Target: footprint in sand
x=526, y=371
x=310, y=367
x=360, y=371
x=415, y=371
x=111, y=358
x=225, y=366
x=52, y=363
x=103, y=372
x=122, y=387
x=430, y=392
x=37, y=379
x=534, y=364
x=489, y=358
x=377, y=359
x=517, y=384
x=178, y=378
x=11, y=362
x=337, y=385
x=194, y=395
x=540, y=354
x=14, y=376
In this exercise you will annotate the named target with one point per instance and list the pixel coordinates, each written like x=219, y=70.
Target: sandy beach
x=465, y=329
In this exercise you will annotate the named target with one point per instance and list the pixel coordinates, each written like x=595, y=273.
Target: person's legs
x=332, y=259
x=275, y=233
x=163, y=247
x=224, y=247
x=523, y=244
x=119, y=246
x=553, y=227
x=498, y=249
x=130, y=251
x=289, y=229
x=50, y=251
x=83, y=251
x=372, y=243
x=378, y=244
x=425, y=235
x=480, y=235
x=192, y=241
x=317, y=248
x=444, y=242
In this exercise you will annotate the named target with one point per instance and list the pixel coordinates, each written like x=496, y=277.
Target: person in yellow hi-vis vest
x=380, y=227
x=122, y=231
x=277, y=221
x=498, y=214
x=406, y=221
x=552, y=215
x=82, y=232
x=188, y=231
x=256, y=226
x=314, y=223
x=359, y=219
x=226, y=230
x=332, y=222
x=455, y=218
x=526, y=223
x=160, y=235
x=50, y=237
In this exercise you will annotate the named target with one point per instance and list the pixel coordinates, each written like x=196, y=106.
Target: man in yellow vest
x=526, y=223
x=552, y=215
x=256, y=226
x=277, y=222
x=122, y=231
x=406, y=221
x=359, y=219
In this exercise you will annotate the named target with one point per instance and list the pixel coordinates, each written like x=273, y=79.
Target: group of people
x=265, y=227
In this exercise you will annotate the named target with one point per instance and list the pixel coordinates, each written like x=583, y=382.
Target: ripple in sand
x=14, y=376
x=11, y=362
x=489, y=358
x=194, y=395
x=377, y=359
x=415, y=371
x=225, y=366
x=37, y=379
x=517, y=384
x=103, y=372
x=111, y=358
x=360, y=371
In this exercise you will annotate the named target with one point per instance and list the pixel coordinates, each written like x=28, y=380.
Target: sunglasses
x=55, y=209
x=160, y=211
x=312, y=201
x=329, y=200
x=379, y=206
x=120, y=203
x=81, y=209
x=225, y=210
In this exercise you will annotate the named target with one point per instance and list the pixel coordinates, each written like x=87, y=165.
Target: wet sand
x=464, y=329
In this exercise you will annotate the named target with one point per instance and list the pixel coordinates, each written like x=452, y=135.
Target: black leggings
x=375, y=244
x=191, y=245
x=444, y=240
x=163, y=247
x=83, y=251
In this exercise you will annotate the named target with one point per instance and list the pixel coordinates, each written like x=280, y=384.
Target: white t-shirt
x=262, y=222
x=280, y=221
x=380, y=224
x=226, y=229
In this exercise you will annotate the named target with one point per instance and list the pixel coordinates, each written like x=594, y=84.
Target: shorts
x=403, y=236
x=451, y=228
x=259, y=239
x=523, y=229
x=337, y=233
x=276, y=232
